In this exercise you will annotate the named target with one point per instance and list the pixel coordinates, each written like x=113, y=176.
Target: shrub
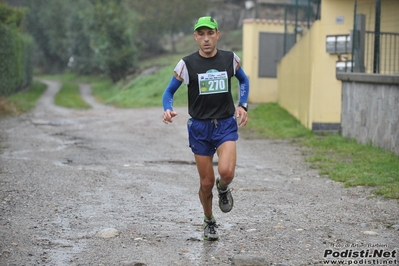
x=16, y=52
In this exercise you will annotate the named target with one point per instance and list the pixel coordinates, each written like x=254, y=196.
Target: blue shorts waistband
x=213, y=119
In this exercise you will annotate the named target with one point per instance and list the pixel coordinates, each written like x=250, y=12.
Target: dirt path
x=67, y=175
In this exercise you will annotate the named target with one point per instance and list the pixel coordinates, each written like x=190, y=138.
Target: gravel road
x=109, y=186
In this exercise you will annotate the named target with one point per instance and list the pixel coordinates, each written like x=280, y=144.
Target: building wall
x=389, y=19
x=295, y=78
x=389, y=11
x=325, y=105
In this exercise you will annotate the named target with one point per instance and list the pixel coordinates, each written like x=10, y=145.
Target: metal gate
x=271, y=50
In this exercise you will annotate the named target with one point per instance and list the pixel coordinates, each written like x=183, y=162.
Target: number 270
x=217, y=85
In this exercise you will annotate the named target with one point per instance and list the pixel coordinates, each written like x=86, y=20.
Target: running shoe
x=210, y=232
x=226, y=201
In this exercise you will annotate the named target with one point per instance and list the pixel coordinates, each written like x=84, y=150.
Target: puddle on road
x=42, y=122
x=62, y=123
x=171, y=162
x=203, y=252
x=179, y=162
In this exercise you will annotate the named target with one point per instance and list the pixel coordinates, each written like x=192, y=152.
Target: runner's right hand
x=168, y=115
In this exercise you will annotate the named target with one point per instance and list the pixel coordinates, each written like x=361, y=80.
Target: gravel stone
x=108, y=233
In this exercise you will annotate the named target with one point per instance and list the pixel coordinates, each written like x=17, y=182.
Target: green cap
x=209, y=22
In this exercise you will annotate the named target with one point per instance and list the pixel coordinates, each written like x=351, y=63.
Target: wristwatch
x=244, y=106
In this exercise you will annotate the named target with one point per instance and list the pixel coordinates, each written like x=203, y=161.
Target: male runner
x=213, y=124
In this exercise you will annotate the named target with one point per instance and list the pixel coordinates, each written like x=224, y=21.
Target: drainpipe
x=354, y=35
x=296, y=18
x=285, y=30
x=308, y=11
x=377, y=31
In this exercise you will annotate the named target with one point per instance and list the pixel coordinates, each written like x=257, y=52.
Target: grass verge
x=69, y=96
x=353, y=164
x=343, y=160
x=22, y=101
x=271, y=121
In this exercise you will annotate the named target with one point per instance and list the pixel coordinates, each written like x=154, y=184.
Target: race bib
x=213, y=82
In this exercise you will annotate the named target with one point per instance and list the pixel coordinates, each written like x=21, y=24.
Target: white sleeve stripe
x=236, y=61
x=181, y=71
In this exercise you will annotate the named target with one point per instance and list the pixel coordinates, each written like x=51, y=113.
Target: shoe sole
x=211, y=239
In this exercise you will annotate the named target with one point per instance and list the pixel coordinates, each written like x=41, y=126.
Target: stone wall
x=370, y=109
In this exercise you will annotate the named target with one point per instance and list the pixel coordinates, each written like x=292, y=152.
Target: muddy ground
x=111, y=186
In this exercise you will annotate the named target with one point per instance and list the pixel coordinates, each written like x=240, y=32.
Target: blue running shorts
x=205, y=136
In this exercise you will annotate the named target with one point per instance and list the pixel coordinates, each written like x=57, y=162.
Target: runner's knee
x=207, y=184
x=226, y=173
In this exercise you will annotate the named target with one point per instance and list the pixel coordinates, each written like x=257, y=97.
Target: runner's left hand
x=242, y=116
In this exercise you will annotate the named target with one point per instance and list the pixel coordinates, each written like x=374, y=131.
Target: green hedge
x=7, y=61
x=16, y=53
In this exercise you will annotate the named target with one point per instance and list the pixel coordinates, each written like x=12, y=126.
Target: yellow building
x=306, y=84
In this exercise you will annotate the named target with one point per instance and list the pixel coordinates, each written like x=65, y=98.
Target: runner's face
x=207, y=39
